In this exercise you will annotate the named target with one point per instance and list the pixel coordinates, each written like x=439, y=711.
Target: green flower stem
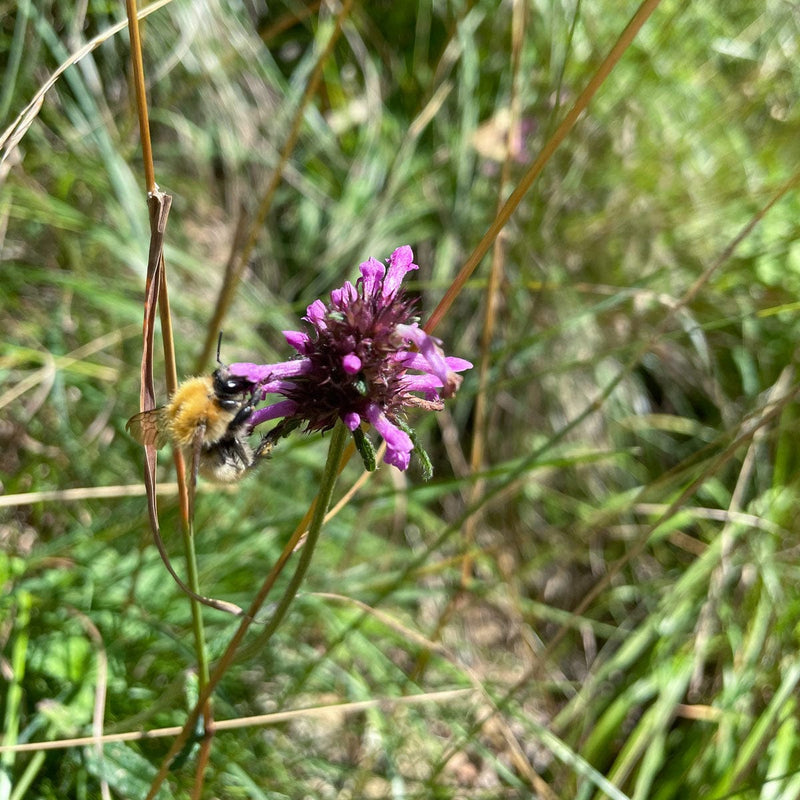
x=14, y=695
x=327, y=483
x=197, y=610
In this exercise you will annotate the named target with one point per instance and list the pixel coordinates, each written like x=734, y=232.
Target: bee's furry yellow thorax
x=194, y=405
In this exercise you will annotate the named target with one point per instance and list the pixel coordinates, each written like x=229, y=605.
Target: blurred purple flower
x=366, y=360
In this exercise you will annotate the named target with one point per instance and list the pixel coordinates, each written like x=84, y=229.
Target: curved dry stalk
x=156, y=294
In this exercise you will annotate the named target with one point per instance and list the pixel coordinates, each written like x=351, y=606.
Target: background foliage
x=629, y=609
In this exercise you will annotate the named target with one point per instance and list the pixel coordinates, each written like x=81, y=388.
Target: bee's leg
x=264, y=448
x=194, y=467
x=269, y=440
x=241, y=418
x=244, y=454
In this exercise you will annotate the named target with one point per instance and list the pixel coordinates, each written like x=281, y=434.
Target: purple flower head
x=364, y=360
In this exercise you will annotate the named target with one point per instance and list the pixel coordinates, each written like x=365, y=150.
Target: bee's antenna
x=219, y=345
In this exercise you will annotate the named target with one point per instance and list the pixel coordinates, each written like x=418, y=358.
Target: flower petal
x=261, y=373
x=344, y=296
x=458, y=364
x=283, y=408
x=257, y=373
x=428, y=347
x=372, y=273
x=399, y=458
x=299, y=340
x=433, y=378
x=398, y=443
x=422, y=383
x=400, y=262
x=351, y=363
x=412, y=332
x=316, y=313
x=352, y=420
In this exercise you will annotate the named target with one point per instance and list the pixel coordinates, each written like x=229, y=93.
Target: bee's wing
x=147, y=427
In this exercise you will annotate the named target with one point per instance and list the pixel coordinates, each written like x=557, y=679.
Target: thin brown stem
x=747, y=430
x=141, y=96
x=159, y=205
x=487, y=334
x=551, y=145
x=492, y=296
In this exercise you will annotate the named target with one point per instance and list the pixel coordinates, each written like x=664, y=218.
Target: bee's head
x=227, y=385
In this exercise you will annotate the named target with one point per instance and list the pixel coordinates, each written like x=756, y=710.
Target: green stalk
x=327, y=484
x=14, y=695
x=14, y=57
x=197, y=613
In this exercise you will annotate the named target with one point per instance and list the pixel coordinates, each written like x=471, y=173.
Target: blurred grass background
x=630, y=612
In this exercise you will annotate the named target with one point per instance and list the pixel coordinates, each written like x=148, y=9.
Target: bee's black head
x=227, y=385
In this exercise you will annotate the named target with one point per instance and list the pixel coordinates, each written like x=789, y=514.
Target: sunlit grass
x=628, y=624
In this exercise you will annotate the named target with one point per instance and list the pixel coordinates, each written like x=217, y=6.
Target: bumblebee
x=208, y=418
